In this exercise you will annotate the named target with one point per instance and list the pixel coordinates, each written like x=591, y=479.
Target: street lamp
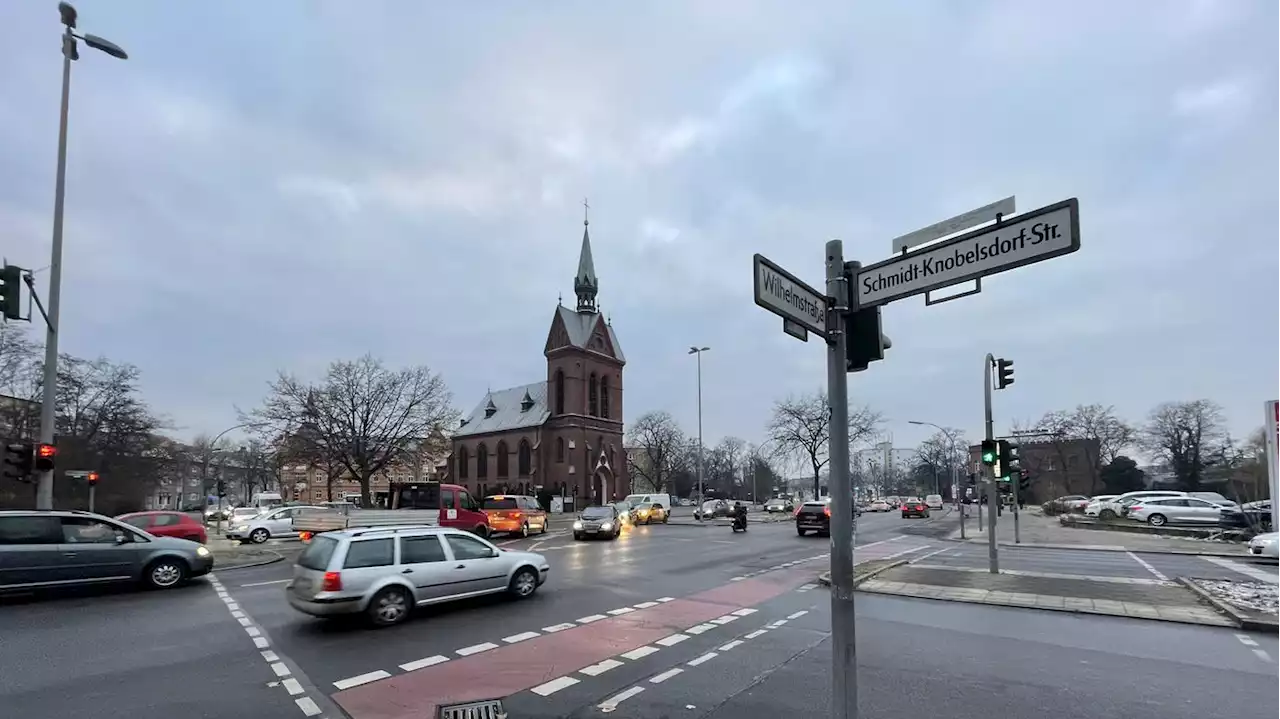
x=48, y=415
x=951, y=440
x=698, y=351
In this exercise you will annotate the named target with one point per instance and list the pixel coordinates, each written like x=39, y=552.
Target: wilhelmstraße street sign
x=783, y=294
x=1028, y=238
x=959, y=223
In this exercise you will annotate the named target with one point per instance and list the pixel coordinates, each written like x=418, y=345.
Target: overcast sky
x=268, y=185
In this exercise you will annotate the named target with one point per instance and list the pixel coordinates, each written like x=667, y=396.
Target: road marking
x=703, y=659
x=237, y=613
x=1248, y=571
x=660, y=678
x=596, y=670
x=744, y=612
x=611, y=704
x=263, y=584
x=261, y=642
x=775, y=625
x=280, y=669
x=270, y=656
x=522, y=636
x=731, y=645
x=806, y=587
x=558, y=627
x=307, y=705
x=700, y=628
x=1246, y=640
x=253, y=631
x=292, y=686
x=724, y=620
x=424, y=662
x=476, y=649
x=756, y=633
x=361, y=679
x=797, y=615
x=737, y=579
x=905, y=552
x=1147, y=566
x=672, y=640
x=923, y=557
x=592, y=618
x=623, y=610
x=244, y=621
x=645, y=605
x=553, y=686
x=664, y=600
x=233, y=606
x=640, y=653
x=1262, y=654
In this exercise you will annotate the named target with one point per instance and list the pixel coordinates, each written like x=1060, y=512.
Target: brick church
x=564, y=433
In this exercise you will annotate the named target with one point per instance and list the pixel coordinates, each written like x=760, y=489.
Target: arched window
x=604, y=396
x=559, y=391
x=613, y=463
x=559, y=449
x=504, y=460
x=482, y=462
x=593, y=401
x=524, y=460
x=464, y=462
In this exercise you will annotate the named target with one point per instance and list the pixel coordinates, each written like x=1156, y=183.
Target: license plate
x=591, y=531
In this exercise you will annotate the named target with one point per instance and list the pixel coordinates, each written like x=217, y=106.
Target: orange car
x=514, y=514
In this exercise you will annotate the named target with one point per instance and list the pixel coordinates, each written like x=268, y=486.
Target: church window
x=559, y=449
x=559, y=391
x=482, y=462
x=524, y=459
x=604, y=396
x=504, y=460
x=464, y=462
x=593, y=400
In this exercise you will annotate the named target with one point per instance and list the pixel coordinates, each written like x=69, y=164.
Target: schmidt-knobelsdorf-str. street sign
x=783, y=294
x=1021, y=240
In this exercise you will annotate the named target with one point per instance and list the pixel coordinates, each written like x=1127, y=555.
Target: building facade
x=1055, y=468
x=562, y=434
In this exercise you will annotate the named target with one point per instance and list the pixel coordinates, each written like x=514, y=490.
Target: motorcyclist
x=739, y=514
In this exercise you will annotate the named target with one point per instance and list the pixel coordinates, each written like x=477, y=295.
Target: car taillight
x=304, y=536
x=798, y=510
x=1135, y=507
x=826, y=511
x=332, y=582
x=920, y=506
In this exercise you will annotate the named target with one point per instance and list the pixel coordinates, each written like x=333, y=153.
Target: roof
x=508, y=410
x=580, y=325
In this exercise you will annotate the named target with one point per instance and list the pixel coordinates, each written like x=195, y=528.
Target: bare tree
x=801, y=429
x=941, y=457
x=660, y=448
x=1100, y=433
x=1185, y=435
x=362, y=416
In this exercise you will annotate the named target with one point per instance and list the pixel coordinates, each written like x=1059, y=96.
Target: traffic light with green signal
x=990, y=452
x=11, y=292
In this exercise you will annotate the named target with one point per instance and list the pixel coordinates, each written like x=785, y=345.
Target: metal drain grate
x=487, y=709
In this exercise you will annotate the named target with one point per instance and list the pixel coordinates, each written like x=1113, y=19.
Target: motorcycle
x=740, y=523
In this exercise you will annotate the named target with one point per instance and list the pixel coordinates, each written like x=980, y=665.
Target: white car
x=1098, y=503
x=1265, y=545
x=1159, y=511
x=272, y=524
x=879, y=506
x=933, y=501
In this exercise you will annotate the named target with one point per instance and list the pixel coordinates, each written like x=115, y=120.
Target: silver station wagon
x=385, y=572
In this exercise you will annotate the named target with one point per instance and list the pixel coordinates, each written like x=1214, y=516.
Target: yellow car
x=648, y=514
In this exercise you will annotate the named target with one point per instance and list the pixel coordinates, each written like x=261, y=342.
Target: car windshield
x=499, y=503
x=597, y=513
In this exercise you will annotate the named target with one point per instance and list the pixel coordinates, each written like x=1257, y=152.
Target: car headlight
x=577, y=525
x=607, y=526
x=241, y=528
x=202, y=551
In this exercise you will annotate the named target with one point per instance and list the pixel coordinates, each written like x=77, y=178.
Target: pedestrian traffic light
x=222, y=488
x=864, y=341
x=92, y=478
x=1004, y=373
x=990, y=452
x=11, y=292
x=17, y=461
x=45, y=456
x=1008, y=460
x=1024, y=483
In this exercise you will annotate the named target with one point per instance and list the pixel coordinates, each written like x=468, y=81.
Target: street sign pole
x=92, y=489
x=844, y=666
x=993, y=492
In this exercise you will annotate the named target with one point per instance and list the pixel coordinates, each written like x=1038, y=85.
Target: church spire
x=585, y=283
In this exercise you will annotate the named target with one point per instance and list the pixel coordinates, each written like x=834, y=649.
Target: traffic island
x=1113, y=596
x=864, y=571
x=1251, y=605
x=1038, y=531
x=242, y=557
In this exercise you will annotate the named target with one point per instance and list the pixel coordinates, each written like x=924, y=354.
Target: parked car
x=1159, y=511
x=1064, y=504
x=1099, y=502
x=45, y=549
x=1122, y=502
x=360, y=571
x=777, y=504
x=167, y=524
x=514, y=514
x=1246, y=518
x=914, y=507
x=603, y=521
x=1265, y=545
x=272, y=524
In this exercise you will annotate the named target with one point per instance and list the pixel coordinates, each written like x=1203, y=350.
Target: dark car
x=914, y=507
x=598, y=522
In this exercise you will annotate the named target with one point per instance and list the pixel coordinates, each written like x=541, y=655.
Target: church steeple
x=585, y=283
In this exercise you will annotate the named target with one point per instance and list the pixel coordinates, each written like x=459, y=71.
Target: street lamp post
x=48, y=413
x=698, y=351
x=955, y=479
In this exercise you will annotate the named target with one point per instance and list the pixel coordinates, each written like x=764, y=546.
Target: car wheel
x=524, y=583
x=1107, y=515
x=524, y=531
x=389, y=606
x=577, y=537
x=481, y=531
x=165, y=573
x=664, y=519
x=543, y=529
x=259, y=535
x=1157, y=520
x=799, y=531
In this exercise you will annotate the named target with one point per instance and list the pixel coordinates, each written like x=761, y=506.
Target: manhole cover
x=487, y=709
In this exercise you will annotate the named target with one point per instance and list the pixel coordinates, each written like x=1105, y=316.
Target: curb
x=1242, y=621
x=1113, y=548
x=825, y=578
x=272, y=559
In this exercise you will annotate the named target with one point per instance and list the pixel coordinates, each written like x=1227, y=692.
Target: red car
x=167, y=524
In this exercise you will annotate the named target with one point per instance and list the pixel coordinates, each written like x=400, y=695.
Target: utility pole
x=993, y=492
x=698, y=351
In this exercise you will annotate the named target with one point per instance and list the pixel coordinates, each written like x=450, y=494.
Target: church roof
x=508, y=411
x=580, y=325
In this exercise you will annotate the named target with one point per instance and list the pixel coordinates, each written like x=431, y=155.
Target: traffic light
x=17, y=461
x=1024, y=483
x=990, y=452
x=972, y=481
x=864, y=341
x=222, y=488
x=1008, y=460
x=92, y=479
x=11, y=292
x=45, y=456
x=1004, y=373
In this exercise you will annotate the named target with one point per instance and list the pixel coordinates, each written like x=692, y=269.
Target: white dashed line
x=724, y=620
x=1147, y=566
x=307, y=705
x=292, y=686
x=622, y=610
x=806, y=587
x=1246, y=640
x=280, y=669
x=731, y=645
x=244, y=621
x=703, y=659
x=797, y=615
x=744, y=612
x=610, y=704
x=640, y=653
x=700, y=629
x=476, y=649
x=596, y=670
x=756, y=633
x=558, y=627
x=261, y=642
x=553, y=686
x=1262, y=654
x=1259, y=652
x=423, y=663
x=664, y=600
x=672, y=640
x=737, y=579
x=646, y=605
x=923, y=557
x=253, y=631
x=263, y=584
x=270, y=656
x=361, y=679
x=522, y=636
x=591, y=618
x=775, y=625
x=660, y=678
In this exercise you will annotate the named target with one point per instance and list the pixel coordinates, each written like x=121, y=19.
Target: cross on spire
x=586, y=212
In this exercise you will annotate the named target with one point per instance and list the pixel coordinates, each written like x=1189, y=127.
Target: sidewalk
x=1036, y=530
x=1116, y=596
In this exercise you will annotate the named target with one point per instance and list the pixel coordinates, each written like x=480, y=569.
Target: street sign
x=783, y=294
x=959, y=223
x=77, y=473
x=1028, y=238
x=795, y=329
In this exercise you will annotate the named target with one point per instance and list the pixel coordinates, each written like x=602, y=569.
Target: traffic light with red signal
x=92, y=479
x=45, y=456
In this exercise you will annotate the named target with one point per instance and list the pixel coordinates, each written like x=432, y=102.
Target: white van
x=653, y=498
x=267, y=500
